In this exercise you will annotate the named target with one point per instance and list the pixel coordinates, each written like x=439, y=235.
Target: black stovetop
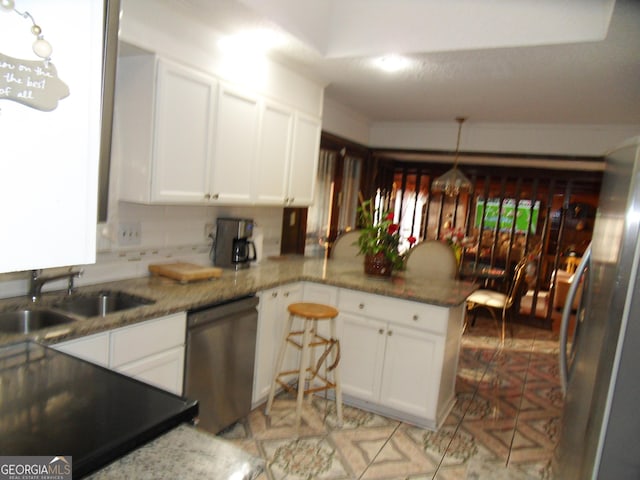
x=54, y=404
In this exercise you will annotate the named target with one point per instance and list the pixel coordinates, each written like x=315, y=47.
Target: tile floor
x=503, y=426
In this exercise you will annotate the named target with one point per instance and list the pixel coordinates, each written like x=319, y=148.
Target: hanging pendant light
x=453, y=182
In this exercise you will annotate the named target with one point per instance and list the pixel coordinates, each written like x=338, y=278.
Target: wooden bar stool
x=309, y=377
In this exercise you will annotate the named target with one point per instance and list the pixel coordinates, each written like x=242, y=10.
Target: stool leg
x=312, y=356
x=278, y=365
x=336, y=375
x=304, y=363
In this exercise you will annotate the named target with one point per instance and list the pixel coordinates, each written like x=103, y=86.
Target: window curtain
x=349, y=194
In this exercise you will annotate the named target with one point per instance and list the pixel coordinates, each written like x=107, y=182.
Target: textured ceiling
x=560, y=75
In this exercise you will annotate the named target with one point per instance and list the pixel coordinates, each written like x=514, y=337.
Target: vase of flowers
x=379, y=239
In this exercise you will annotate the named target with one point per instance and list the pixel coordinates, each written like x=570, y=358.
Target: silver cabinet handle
x=274, y=294
x=215, y=196
x=415, y=318
x=286, y=294
x=381, y=331
x=207, y=196
x=390, y=332
x=361, y=306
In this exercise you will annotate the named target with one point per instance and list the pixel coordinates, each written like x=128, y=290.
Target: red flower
x=389, y=216
x=412, y=240
x=393, y=228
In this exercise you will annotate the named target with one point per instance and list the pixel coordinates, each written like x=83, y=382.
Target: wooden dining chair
x=499, y=303
x=571, y=263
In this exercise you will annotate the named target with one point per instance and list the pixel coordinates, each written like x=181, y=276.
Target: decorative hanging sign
x=33, y=83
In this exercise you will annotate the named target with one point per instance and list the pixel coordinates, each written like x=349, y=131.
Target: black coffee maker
x=233, y=247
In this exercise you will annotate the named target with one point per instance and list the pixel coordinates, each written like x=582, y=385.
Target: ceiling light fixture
x=392, y=63
x=453, y=182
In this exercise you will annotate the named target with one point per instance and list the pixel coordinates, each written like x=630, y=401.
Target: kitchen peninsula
x=400, y=336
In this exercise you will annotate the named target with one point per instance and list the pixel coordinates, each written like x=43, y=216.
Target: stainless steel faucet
x=38, y=280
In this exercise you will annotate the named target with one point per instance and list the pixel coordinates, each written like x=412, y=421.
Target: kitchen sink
x=101, y=303
x=31, y=319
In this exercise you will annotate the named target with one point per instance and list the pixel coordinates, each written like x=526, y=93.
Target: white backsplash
x=168, y=233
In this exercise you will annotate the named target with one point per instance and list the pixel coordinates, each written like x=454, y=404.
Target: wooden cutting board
x=185, y=272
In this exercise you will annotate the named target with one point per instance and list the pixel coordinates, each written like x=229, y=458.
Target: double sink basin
x=98, y=304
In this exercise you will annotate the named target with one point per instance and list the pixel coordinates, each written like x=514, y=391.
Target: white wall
x=502, y=138
x=345, y=122
x=543, y=139
x=155, y=26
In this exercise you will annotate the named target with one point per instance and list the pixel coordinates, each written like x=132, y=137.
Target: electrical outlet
x=129, y=233
x=209, y=230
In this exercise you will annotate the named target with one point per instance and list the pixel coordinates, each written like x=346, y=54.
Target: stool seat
x=308, y=375
x=313, y=311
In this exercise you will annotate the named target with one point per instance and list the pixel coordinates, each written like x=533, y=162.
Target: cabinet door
x=304, y=160
x=266, y=344
x=49, y=160
x=94, y=348
x=272, y=315
x=135, y=342
x=362, y=343
x=411, y=374
x=292, y=293
x=274, y=150
x=236, y=143
x=183, y=131
x=164, y=370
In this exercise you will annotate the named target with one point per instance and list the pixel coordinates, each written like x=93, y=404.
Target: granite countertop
x=171, y=296
x=185, y=453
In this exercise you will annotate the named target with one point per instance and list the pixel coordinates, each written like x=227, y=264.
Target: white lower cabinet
x=151, y=351
x=362, y=343
x=411, y=371
x=92, y=348
x=164, y=370
x=399, y=357
x=272, y=316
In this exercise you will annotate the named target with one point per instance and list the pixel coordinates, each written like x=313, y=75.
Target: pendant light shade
x=453, y=182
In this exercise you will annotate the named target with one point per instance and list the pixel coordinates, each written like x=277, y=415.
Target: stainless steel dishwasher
x=221, y=343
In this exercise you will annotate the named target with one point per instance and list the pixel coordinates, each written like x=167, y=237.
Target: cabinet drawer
x=94, y=348
x=144, y=339
x=317, y=293
x=164, y=370
x=426, y=317
x=405, y=312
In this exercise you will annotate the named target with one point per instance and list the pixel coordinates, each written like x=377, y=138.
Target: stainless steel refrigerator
x=600, y=427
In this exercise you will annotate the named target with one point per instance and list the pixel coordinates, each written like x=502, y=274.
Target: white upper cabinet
x=50, y=136
x=163, y=130
x=304, y=160
x=274, y=147
x=236, y=144
x=183, y=126
x=287, y=156
x=182, y=136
